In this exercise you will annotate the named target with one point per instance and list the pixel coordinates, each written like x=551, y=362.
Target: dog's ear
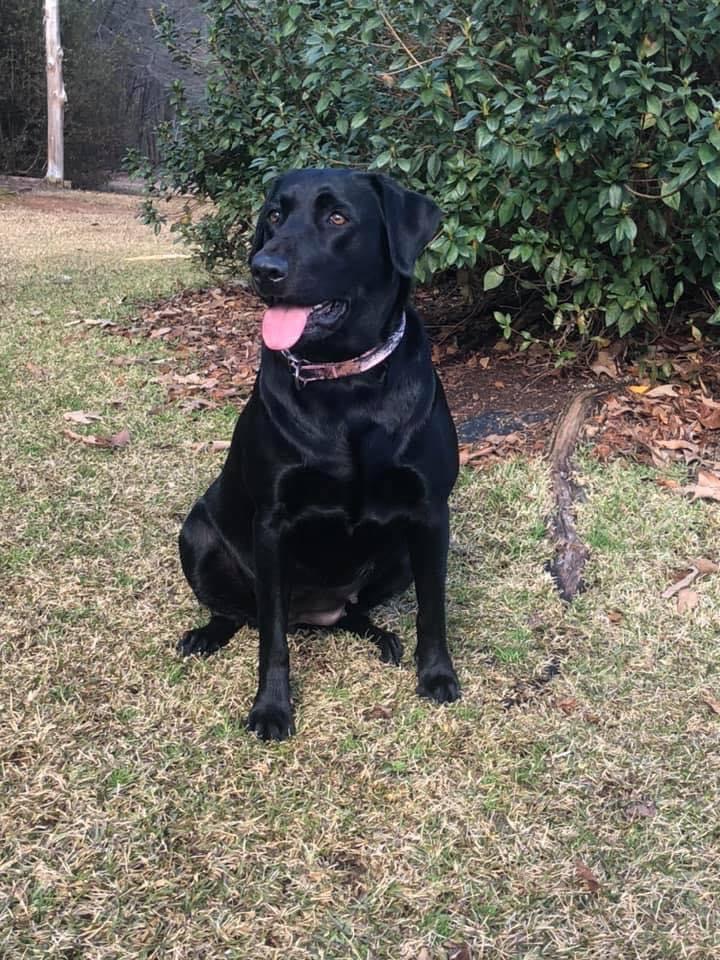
x=411, y=221
x=260, y=236
x=258, y=240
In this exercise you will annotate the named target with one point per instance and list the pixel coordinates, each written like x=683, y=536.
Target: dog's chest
x=352, y=494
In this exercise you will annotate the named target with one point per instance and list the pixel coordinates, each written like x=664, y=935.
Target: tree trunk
x=56, y=97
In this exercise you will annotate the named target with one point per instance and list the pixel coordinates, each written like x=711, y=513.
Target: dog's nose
x=268, y=267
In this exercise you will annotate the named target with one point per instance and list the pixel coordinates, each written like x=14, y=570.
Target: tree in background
x=116, y=73
x=56, y=96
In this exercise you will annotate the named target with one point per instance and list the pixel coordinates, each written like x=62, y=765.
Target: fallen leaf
x=678, y=445
x=681, y=584
x=604, y=364
x=706, y=488
x=666, y=390
x=585, y=875
x=121, y=439
x=90, y=440
x=705, y=566
x=378, y=712
x=639, y=388
x=640, y=808
x=686, y=600
x=212, y=446
x=567, y=706
x=424, y=954
x=95, y=322
x=81, y=416
x=458, y=951
x=712, y=703
x=711, y=419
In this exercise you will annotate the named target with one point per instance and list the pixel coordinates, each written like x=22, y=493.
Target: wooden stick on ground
x=570, y=552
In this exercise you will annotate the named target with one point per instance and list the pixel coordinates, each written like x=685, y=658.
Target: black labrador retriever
x=334, y=494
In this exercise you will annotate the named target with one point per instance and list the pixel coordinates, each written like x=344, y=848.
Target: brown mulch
x=215, y=336
x=669, y=423
x=504, y=401
x=509, y=399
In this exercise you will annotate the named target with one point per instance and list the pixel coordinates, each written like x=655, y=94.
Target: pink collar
x=304, y=372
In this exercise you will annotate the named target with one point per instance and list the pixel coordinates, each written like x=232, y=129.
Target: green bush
x=575, y=147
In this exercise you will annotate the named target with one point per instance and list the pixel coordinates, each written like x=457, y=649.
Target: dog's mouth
x=283, y=324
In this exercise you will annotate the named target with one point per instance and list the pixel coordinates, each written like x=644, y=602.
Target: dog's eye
x=274, y=216
x=337, y=219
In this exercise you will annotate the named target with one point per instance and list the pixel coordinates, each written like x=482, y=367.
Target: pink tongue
x=283, y=326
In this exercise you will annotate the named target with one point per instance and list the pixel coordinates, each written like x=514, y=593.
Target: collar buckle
x=296, y=365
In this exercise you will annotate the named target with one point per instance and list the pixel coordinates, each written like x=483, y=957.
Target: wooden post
x=56, y=96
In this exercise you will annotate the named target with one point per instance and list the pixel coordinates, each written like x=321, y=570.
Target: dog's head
x=333, y=252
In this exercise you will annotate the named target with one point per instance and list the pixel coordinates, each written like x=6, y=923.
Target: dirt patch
x=88, y=203
x=75, y=202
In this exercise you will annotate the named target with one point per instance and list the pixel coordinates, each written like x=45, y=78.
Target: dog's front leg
x=428, y=542
x=271, y=714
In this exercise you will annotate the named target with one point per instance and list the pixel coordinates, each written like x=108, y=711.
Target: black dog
x=334, y=493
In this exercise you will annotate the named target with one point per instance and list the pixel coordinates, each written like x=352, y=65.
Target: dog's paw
x=271, y=721
x=391, y=649
x=439, y=684
x=201, y=642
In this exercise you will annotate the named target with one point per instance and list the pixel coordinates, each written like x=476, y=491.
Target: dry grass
x=137, y=818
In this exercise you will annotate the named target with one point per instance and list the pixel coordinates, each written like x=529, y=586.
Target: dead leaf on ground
x=712, y=703
x=117, y=440
x=121, y=439
x=706, y=488
x=208, y=446
x=665, y=390
x=81, y=416
x=93, y=322
x=567, y=706
x=678, y=445
x=681, y=584
x=705, y=566
x=585, y=875
x=605, y=365
x=709, y=417
x=424, y=954
x=687, y=600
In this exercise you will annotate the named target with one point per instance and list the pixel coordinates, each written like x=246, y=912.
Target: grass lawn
x=575, y=818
